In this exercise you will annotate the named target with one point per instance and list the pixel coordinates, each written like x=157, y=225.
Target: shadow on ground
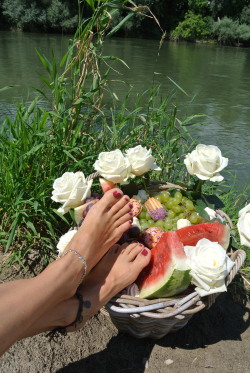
x=225, y=320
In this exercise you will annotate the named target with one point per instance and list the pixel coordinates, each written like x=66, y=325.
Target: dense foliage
x=227, y=21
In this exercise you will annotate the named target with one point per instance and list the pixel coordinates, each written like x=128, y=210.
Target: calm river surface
x=217, y=80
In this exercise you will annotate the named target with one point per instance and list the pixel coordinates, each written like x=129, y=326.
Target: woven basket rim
x=174, y=306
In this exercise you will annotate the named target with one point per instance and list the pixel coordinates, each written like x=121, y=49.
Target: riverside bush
x=194, y=27
x=229, y=32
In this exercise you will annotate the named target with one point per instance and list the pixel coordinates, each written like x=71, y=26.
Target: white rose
x=65, y=240
x=141, y=160
x=71, y=189
x=113, y=166
x=213, y=214
x=141, y=196
x=209, y=265
x=206, y=162
x=243, y=225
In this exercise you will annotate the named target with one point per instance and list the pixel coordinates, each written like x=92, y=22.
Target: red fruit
x=214, y=232
x=106, y=185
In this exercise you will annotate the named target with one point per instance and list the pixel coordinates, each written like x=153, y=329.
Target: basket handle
x=238, y=257
x=92, y=176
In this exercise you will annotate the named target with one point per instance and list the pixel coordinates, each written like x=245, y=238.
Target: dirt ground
x=215, y=340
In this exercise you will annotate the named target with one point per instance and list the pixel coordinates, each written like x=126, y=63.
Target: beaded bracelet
x=80, y=257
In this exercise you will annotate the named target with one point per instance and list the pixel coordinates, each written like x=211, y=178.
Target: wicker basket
x=144, y=318
x=156, y=318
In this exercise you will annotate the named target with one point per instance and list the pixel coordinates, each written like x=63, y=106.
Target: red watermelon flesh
x=214, y=232
x=167, y=273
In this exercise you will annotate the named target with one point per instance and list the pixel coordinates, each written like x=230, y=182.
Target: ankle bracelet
x=62, y=330
x=80, y=257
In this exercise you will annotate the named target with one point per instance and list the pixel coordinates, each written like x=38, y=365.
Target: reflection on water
x=217, y=80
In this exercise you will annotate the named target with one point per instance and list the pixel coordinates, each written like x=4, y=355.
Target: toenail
x=117, y=194
x=130, y=205
x=131, y=221
x=144, y=252
x=127, y=199
x=140, y=244
x=130, y=213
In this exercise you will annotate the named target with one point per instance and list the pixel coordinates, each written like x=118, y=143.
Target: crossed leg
x=25, y=302
x=117, y=269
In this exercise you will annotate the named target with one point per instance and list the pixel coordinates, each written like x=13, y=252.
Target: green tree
x=245, y=15
x=199, y=7
x=194, y=26
x=42, y=14
x=225, y=30
x=228, y=8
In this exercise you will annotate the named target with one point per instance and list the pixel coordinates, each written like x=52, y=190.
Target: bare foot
x=103, y=226
x=117, y=269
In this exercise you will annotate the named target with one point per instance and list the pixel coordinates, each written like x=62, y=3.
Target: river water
x=216, y=79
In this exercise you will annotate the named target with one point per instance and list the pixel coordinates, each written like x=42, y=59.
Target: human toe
x=110, y=198
x=122, y=205
x=141, y=259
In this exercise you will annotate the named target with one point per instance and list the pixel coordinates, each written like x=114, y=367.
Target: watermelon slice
x=214, y=232
x=167, y=273
x=106, y=185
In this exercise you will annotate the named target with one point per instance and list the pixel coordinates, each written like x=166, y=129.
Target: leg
x=118, y=268
x=26, y=301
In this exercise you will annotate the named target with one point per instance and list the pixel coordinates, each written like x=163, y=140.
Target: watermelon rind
x=167, y=273
x=172, y=285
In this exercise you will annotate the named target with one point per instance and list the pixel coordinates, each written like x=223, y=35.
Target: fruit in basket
x=136, y=208
x=168, y=207
x=106, y=185
x=152, y=236
x=215, y=232
x=167, y=273
x=155, y=209
x=80, y=212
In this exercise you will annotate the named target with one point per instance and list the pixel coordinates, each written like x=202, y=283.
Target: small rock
x=169, y=361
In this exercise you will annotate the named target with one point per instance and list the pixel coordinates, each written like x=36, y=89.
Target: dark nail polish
x=130, y=205
x=127, y=199
x=144, y=252
x=117, y=194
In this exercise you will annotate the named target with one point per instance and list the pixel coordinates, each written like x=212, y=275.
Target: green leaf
x=70, y=156
x=113, y=58
x=12, y=233
x=117, y=27
x=200, y=208
x=32, y=227
x=91, y=4
x=7, y=87
x=177, y=85
x=212, y=201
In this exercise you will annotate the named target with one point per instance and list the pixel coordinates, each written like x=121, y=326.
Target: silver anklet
x=80, y=257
